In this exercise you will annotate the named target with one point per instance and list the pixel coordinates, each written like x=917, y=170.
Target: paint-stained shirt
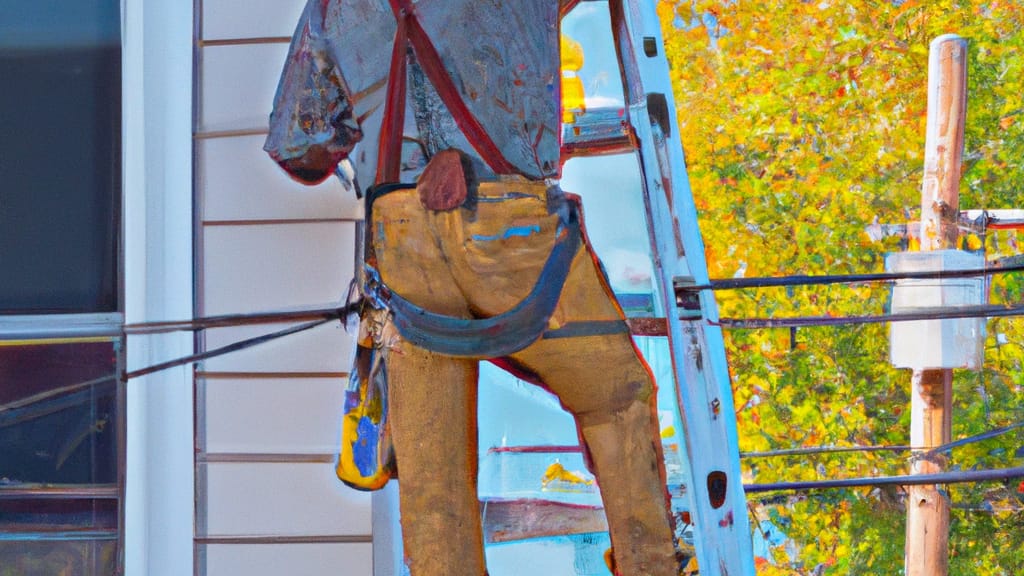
x=502, y=59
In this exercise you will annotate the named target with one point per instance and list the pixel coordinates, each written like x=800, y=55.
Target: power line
x=968, y=507
x=985, y=311
x=988, y=435
x=822, y=450
x=955, y=477
x=817, y=280
x=317, y=317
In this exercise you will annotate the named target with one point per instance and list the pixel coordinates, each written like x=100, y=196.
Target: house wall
x=267, y=418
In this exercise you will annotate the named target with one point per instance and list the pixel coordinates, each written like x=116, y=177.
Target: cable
x=977, y=438
x=806, y=280
x=988, y=435
x=956, y=477
x=989, y=311
x=778, y=499
x=823, y=450
x=226, y=320
x=318, y=316
x=241, y=345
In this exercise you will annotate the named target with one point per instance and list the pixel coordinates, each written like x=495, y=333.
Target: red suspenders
x=410, y=32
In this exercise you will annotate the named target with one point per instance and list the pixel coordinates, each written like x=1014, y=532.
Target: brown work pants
x=479, y=263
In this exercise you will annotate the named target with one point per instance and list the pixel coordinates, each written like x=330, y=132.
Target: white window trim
x=47, y=326
x=158, y=278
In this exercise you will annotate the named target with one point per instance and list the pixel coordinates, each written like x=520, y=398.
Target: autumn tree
x=803, y=125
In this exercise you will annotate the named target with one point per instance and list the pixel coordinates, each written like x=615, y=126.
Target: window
x=60, y=157
x=61, y=354
x=59, y=420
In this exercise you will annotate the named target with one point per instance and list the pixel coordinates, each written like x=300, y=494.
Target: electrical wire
x=988, y=435
x=227, y=320
x=318, y=316
x=952, y=477
x=977, y=438
x=824, y=279
x=684, y=292
x=946, y=313
x=241, y=345
x=782, y=499
x=821, y=450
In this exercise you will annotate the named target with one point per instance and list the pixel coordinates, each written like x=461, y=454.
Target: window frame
x=155, y=273
x=32, y=328
x=47, y=330
x=157, y=252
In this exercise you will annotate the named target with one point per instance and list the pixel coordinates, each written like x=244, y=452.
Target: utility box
x=948, y=343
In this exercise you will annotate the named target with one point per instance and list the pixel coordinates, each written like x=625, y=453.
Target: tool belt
x=490, y=217
x=473, y=271
x=490, y=337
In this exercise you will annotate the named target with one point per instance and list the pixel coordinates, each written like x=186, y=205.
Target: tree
x=803, y=124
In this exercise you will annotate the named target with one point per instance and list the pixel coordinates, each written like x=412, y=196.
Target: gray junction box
x=933, y=344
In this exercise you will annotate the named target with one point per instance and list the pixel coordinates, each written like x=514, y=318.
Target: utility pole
x=927, y=545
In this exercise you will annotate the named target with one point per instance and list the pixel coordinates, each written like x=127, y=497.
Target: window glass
x=57, y=413
x=59, y=447
x=58, y=536
x=60, y=128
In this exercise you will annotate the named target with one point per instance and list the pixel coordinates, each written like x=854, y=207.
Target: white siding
x=238, y=84
x=286, y=500
x=253, y=415
x=263, y=191
x=268, y=418
x=233, y=19
x=260, y=267
x=322, y=349
x=290, y=559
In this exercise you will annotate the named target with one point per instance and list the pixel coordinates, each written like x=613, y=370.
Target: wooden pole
x=927, y=546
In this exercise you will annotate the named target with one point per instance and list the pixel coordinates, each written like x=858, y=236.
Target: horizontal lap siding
x=272, y=415
x=287, y=559
x=268, y=502
x=263, y=191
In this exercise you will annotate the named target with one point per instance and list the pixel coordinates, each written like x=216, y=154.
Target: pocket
x=513, y=235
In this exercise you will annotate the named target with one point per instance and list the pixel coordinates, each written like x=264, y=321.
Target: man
x=483, y=258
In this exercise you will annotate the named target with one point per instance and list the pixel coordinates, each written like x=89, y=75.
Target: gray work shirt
x=502, y=58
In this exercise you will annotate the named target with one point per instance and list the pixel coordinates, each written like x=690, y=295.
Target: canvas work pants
x=479, y=262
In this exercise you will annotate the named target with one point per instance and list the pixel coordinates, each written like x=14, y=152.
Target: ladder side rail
x=723, y=536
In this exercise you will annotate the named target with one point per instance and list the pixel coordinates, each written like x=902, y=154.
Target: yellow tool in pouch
x=366, y=460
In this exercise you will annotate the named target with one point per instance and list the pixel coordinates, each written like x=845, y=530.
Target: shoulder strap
x=389, y=148
x=411, y=33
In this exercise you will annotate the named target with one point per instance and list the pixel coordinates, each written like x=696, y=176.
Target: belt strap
x=505, y=333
